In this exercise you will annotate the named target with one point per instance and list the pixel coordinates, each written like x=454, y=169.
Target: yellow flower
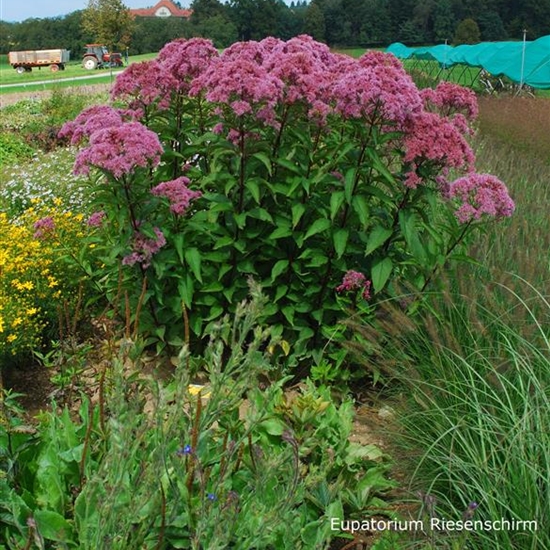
x=32, y=311
x=11, y=338
x=16, y=322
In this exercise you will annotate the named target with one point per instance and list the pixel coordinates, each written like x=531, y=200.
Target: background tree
x=314, y=22
x=467, y=32
x=109, y=22
x=444, y=21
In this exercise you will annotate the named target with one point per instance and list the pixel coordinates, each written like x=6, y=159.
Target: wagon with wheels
x=25, y=61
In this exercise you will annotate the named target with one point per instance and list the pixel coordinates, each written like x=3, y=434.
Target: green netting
x=532, y=66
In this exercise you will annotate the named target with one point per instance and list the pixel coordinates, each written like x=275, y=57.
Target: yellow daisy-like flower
x=32, y=311
x=52, y=282
x=11, y=338
x=16, y=322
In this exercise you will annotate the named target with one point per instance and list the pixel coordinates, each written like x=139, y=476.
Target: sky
x=19, y=10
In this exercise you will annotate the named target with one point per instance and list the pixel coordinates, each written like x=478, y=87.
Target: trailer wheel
x=54, y=68
x=20, y=69
x=89, y=63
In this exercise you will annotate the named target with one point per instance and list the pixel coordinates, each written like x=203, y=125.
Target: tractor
x=97, y=56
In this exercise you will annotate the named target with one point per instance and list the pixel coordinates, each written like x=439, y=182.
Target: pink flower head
x=480, y=194
x=120, y=150
x=304, y=66
x=177, y=192
x=145, y=84
x=378, y=93
x=355, y=280
x=90, y=120
x=96, y=219
x=450, y=99
x=238, y=79
x=44, y=227
x=144, y=248
x=185, y=60
x=430, y=137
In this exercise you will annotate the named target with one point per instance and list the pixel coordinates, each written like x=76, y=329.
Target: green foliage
x=295, y=208
x=229, y=465
x=13, y=148
x=475, y=379
x=109, y=22
x=467, y=32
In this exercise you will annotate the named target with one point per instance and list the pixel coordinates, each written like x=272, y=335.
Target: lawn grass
x=74, y=69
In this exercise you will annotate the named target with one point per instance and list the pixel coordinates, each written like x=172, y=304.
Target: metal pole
x=522, y=60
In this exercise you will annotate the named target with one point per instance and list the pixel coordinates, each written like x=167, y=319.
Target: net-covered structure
x=525, y=63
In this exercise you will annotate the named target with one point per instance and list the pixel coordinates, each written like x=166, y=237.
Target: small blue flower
x=211, y=496
x=187, y=450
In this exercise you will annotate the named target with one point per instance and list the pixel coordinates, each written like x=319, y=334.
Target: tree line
x=339, y=23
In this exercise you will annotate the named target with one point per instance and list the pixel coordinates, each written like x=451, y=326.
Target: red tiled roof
x=170, y=6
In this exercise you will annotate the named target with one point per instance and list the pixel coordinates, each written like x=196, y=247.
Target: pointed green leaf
x=361, y=208
x=265, y=160
x=380, y=273
x=378, y=236
x=340, y=239
x=297, y=212
x=318, y=226
x=193, y=259
x=254, y=189
x=278, y=268
x=336, y=200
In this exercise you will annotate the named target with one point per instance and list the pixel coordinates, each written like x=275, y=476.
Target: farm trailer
x=24, y=61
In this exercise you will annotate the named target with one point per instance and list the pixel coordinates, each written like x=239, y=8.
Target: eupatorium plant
x=283, y=162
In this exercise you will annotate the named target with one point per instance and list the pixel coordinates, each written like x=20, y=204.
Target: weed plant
x=223, y=465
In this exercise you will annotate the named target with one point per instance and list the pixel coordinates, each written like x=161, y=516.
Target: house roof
x=164, y=8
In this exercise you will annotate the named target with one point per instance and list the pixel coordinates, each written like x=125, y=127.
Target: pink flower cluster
x=44, y=227
x=431, y=138
x=177, y=192
x=96, y=219
x=450, y=98
x=480, y=194
x=154, y=82
x=377, y=93
x=145, y=84
x=120, y=150
x=144, y=248
x=353, y=281
x=89, y=121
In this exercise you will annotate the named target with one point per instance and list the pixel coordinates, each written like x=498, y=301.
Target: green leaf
x=283, y=230
x=349, y=183
x=360, y=205
x=322, y=224
x=288, y=312
x=185, y=291
x=193, y=259
x=278, y=268
x=273, y=426
x=336, y=201
x=340, y=239
x=281, y=291
x=178, y=245
x=254, y=189
x=378, y=236
x=265, y=160
x=297, y=212
x=53, y=526
x=380, y=273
